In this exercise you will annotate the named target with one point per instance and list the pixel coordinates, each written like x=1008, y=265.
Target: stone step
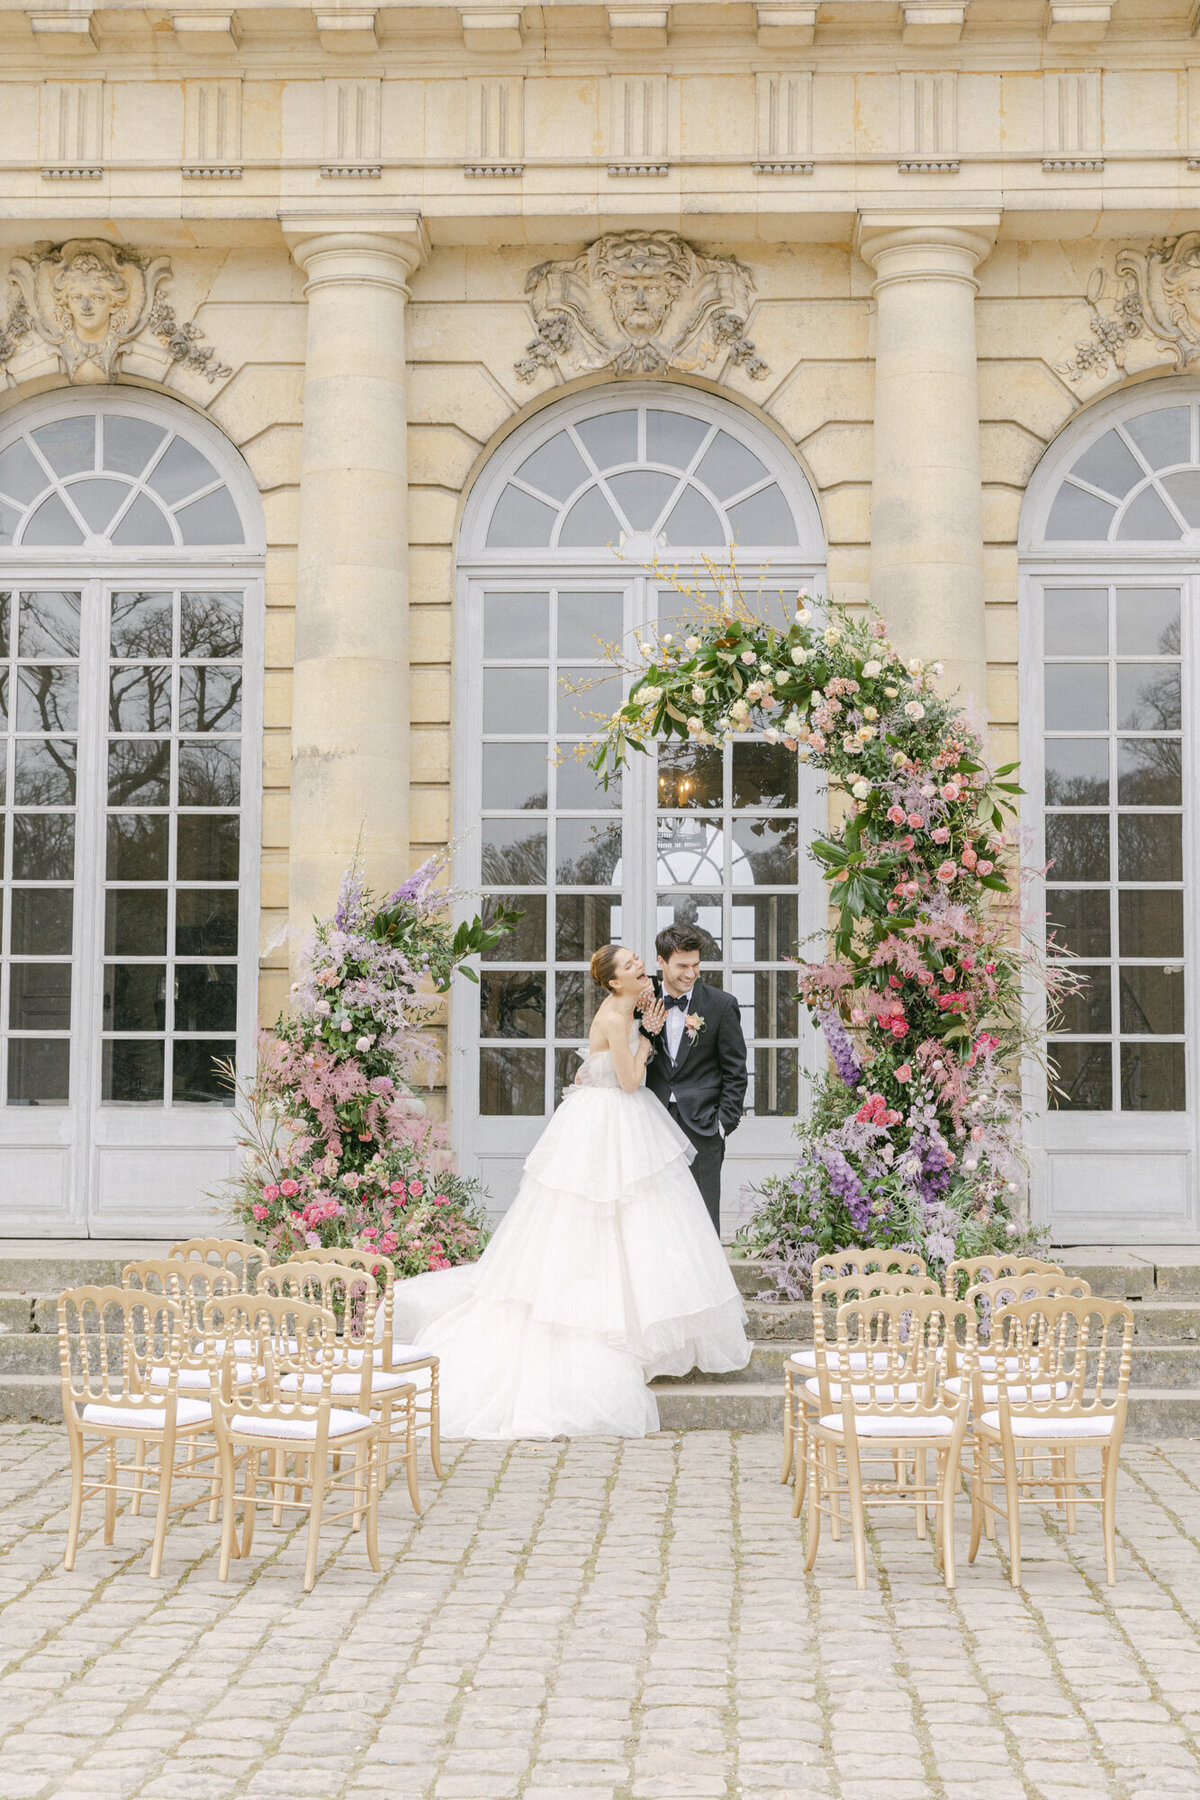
x=36, y=1266
x=1145, y=1273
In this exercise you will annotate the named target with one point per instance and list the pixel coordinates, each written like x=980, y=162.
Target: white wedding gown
x=604, y=1272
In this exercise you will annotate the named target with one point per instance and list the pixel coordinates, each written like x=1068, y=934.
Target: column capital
x=371, y=248
x=925, y=246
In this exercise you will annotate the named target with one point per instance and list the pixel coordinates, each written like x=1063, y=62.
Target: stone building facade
x=355, y=365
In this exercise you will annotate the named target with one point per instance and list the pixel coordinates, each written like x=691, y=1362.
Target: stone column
x=926, y=507
x=350, y=706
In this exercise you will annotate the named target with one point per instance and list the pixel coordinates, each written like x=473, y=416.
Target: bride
x=604, y=1272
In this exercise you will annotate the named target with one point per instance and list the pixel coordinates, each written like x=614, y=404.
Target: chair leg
x=1108, y=1511
x=373, y=1503
x=800, y=1491
x=1012, y=1499
x=75, y=1446
x=789, y=1424
x=435, y=1421
x=920, y=1487
x=318, y=1478
x=814, y=1503
x=858, y=1520
x=278, y=1467
x=946, y=1500
x=829, y=1453
x=981, y=1459
x=250, y=1504
x=110, y=1490
x=1071, y=1484
x=410, y=1451
x=228, y=1501
x=139, y=1473
x=360, y=1483
x=166, y=1470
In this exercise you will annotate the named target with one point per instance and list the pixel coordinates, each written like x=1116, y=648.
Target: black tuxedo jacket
x=709, y=1077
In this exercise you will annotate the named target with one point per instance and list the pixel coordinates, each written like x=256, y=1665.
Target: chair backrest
x=987, y=1297
x=110, y=1339
x=187, y=1282
x=241, y=1259
x=892, y=1352
x=1084, y=1344
x=351, y=1296
x=376, y=1264
x=975, y=1271
x=833, y=1292
x=286, y=1338
x=854, y=1260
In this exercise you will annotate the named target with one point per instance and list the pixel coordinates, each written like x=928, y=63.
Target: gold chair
x=885, y=1403
x=975, y=1271
x=241, y=1259
x=394, y=1358
x=828, y=1294
x=1057, y=1354
x=112, y=1342
x=291, y=1416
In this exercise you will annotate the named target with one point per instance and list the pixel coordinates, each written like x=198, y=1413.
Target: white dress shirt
x=675, y=1024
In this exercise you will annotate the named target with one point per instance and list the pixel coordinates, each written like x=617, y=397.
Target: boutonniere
x=694, y=1024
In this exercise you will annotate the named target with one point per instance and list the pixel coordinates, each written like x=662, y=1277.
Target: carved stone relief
x=639, y=302
x=89, y=300
x=1153, y=294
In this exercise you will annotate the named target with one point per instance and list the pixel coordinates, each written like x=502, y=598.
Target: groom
x=698, y=1070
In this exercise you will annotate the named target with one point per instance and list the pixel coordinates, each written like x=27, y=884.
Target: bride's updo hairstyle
x=604, y=966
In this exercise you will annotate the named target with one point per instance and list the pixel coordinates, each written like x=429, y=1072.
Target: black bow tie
x=679, y=1000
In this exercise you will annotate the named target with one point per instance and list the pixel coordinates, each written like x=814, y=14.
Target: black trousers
x=706, y=1166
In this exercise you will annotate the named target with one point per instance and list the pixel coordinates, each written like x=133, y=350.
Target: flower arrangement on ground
x=337, y=1150
x=914, y=1135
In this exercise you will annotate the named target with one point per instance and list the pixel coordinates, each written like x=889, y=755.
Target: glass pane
x=4, y=698
x=43, y=848
x=1077, y=697
x=144, y=523
x=515, y=776
x=10, y=518
x=1081, y=1078
x=527, y=941
x=180, y=471
x=693, y=522
x=557, y=468
x=69, y=445
x=39, y=996
x=515, y=700
x=1079, y=919
x=1152, y=1078
x=139, y=699
x=141, y=625
x=689, y=776
x=598, y=698
x=642, y=494
x=610, y=438
x=139, y=772
x=52, y=524
x=764, y=853
x=519, y=522
x=513, y=853
x=591, y=522
x=587, y=852
x=39, y=1071
x=197, y=1076
x=512, y=1005
x=576, y=1000
x=208, y=847
x=1077, y=847
x=1164, y=436
x=206, y=922
x=213, y=520
x=210, y=774
x=205, y=997
x=129, y=443
x=1151, y=922
x=1149, y=771
x=583, y=922
x=49, y=624
x=765, y=927
x=1111, y=465
x=727, y=467
x=1147, y=621
x=691, y=852
x=135, y=922
x=1151, y=1001
x=567, y=1063
x=47, y=697
x=44, y=772
x=210, y=625
x=135, y=997
x=1078, y=514
x=137, y=847
x=1148, y=696
x=1149, y=520
x=41, y=921
x=1150, y=847
x=765, y=518
x=512, y=1083
x=673, y=438
x=775, y=1089
x=1076, y=621
x=702, y=912
x=22, y=476
x=774, y=1012
x=97, y=501
x=764, y=775
x=1184, y=489
x=210, y=698
x=577, y=786
x=516, y=626
x=1076, y=772
x=133, y=1072
x=1090, y=1008
x=587, y=622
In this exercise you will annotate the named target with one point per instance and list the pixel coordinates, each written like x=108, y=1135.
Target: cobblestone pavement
x=597, y=1621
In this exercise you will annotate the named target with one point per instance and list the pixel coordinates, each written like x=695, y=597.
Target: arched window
x=1111, y=540
x=555, y=542
x=130, y=595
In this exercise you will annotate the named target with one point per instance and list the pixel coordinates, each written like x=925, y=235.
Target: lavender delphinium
x=840, y=1048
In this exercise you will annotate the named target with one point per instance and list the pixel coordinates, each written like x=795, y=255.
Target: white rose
x=861, y=790
x=346, y=1025
x=803, y=616
x=866, y=733
x=915, y=665
x=832, y=635
x=698, y=694
x=323, y=1008
x=771, y=735
x=891, y=692
x=363, y=1043
x=668, y=637
x=765, y=671
x=693, y=644
x=872, y=668
x=749, y=656
x=870, y=712
x=651, y=695
x=694, y=725
x=739, y=709
x=914, y=710
x=793, y=724
x=799, y=655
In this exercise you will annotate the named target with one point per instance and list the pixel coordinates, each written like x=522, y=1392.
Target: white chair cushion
x=906, y=1425
x=406, y=1353
x=381, y=1383
x=147, y=1418
x=246, y=1346
x=1098, y=1427
x=861, y=1396
x=341, y=1422
x=192, y=1379
x=991, y=1394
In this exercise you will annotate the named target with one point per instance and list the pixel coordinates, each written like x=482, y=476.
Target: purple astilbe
x=840, y=1047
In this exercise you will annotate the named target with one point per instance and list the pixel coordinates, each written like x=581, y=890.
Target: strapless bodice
x=598, y=1069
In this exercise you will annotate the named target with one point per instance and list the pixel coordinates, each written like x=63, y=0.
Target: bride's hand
x=654, y=1016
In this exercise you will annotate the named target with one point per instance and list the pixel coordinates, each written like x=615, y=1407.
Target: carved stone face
x=1181, y=284
x=91, y=294
x=641, y=301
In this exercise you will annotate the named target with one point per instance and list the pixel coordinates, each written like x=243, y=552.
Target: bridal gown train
x=604, y=1272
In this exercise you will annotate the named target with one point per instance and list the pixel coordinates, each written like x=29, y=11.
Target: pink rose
x=416, y=1189
x=387, y=1243
x=951, y=791
x=899, y=1028
x=985, y=867
x=941, y=835
x=289, y=1188
x=896, y=814
x=397, y=1187
x=976, y=1133
x=260, y=1212
x=440, y=1200
x=904, y=1072
x=968, y=856
x=858, y=1015
x=895, y=981
x=916, y=821
x=925, y=976
x=947, y=870
x=272, y=1192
